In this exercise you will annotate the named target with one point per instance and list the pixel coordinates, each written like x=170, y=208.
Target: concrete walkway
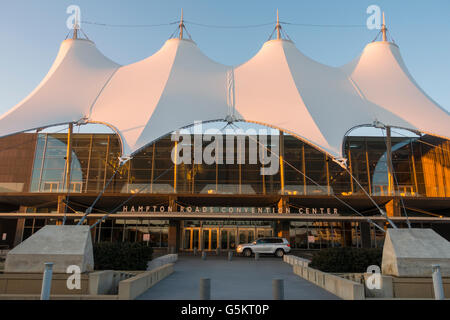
x=240, y=279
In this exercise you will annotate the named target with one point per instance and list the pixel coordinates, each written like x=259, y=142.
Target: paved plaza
x=240, y=279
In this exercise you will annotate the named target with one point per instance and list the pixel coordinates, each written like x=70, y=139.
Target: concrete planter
x=343, y=288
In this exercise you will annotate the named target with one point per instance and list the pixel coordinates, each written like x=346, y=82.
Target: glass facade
x=421, y=166
x=153, y=232
x=32, y=226
x=421, y=169
x=94, y=157
x=321, y=234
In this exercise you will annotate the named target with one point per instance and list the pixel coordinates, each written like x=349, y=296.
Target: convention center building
x=292, y=143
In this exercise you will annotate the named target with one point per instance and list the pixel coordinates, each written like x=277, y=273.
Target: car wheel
x=279, y=253
x=247, y=252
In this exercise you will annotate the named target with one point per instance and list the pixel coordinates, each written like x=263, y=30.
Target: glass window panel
x=187, y=239
x=224, y=239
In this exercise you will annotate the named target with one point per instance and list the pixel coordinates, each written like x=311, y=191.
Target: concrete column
x=174, y=234
x=365, y=235
x=347, y=233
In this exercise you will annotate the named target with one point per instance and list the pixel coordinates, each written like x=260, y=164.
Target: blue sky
x=31, y=32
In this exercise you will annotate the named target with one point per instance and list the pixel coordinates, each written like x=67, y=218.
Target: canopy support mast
x=389, y=161
x=76, y=26
x=278, y=26
x=68, y=158
x=181, y=25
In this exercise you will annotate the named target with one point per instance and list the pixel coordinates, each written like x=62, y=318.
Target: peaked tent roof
x=169, y=90
x=279, y=87
x=65, y=95
x=383, y=79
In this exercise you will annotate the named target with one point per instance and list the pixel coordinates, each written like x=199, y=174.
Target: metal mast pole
x=68, y=157
x=389, y=161
x=384, y=29
x=75, y=28
x=181, y=25
x=278, y=27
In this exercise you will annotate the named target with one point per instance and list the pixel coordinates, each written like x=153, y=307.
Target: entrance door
x=246, y=235
x=228, y=239
x=210, y=238
x=200, y=238
x=191, y=238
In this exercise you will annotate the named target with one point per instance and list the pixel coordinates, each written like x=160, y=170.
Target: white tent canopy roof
x=383, y=79
x=172, y=89
x=65, y=95
x=279, y=87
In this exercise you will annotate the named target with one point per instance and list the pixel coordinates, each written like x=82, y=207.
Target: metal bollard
x=204, y=255
x=218, y=251
x=172, y=250
x=230, y=255
x=47, y=281
x=256, y=256
x=278, y=289
x=205, y=289
x=437, y=282
x=195, y=251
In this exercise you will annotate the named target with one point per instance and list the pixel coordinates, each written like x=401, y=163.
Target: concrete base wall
x=132, y=288
x=107, y=282
x=343, y=288
x=398, y=287
x=160, y=261
x=386, y=287
x=421, y=288
x=31, y=283
x=96, y=284
x=294, y=260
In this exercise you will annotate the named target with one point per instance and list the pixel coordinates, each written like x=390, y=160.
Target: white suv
x=276, y=246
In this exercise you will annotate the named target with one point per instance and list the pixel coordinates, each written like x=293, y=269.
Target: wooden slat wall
x=16, y=159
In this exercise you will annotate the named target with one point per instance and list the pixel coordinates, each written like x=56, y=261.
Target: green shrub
x=346, y=259
x=121, y=255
